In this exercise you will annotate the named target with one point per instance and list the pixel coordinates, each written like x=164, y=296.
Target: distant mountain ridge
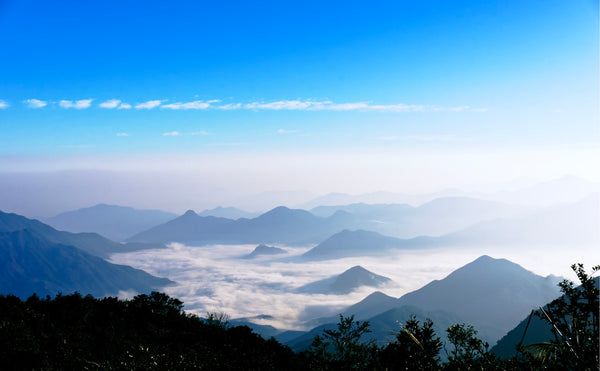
x=434, y=218
x=280, y=225
x=225, y=212
x=111, y=221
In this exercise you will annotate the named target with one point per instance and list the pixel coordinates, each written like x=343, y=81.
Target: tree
x=342, y=348
x=416, y=347
x=574, y=321
x=469, y=351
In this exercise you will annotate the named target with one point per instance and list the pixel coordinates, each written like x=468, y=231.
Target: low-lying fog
x=218, y=279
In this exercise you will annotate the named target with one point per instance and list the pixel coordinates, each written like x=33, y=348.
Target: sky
x=342, y=96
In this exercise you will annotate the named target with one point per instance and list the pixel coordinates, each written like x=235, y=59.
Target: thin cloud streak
x=171, y=134
x=280, y=105
x=4, y=104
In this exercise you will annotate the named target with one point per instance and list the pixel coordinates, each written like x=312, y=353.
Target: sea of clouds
x=218, y=278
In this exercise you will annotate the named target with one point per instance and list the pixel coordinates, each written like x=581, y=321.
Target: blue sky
x=94, y=80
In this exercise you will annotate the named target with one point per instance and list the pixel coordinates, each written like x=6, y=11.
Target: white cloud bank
x=78, y=104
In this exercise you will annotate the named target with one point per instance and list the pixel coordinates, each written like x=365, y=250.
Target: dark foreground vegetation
x=152, y=332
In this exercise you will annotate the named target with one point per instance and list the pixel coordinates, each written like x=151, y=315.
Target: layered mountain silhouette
x=30, y=263
x=361, y=243
x=264, y=250
x=435, y=218
x=346, y=282
x=566, y=225
x=491, y=294
x=91, y=243
x=225, y=212
x=114, y=222
x=280, y=225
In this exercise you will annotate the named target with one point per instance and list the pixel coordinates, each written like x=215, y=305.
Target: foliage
x=574, y=321
x=342, y=348
x=152, y=332
x=416, y=347
x=149, y=332
x=469, y=352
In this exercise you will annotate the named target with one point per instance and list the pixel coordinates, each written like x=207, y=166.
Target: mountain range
x=114, y=222
x=280, y=225
x=563, y=225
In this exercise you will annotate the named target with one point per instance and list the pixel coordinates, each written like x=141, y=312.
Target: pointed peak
x=190, y=213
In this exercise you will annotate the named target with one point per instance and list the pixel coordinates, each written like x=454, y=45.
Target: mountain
x=360, y=243
x=440, y=216
x=491, y=294
x=30, y=263
x=532, y=329
x=279, y=225
x=264, y=250
x=91, y=243
x=373, y=304
x=346, y=282
x=114, y=222
x=225, y=212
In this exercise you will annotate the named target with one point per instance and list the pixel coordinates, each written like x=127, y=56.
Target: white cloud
x=198, y=104
x=171, y=134
x=122, y=134
x=284, y=131
x=3, y=104
x=35, y=103
x=124, y=106
x=299, y=105
x=149, y=104
x=230, y=106
x=111, y=103
x=280, y=105
x=78, y=104
x=201, y=132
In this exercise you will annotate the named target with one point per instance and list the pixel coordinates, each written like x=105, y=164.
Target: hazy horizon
x=198, y=105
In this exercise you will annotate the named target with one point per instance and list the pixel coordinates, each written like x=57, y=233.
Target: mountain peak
x=190, y=213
